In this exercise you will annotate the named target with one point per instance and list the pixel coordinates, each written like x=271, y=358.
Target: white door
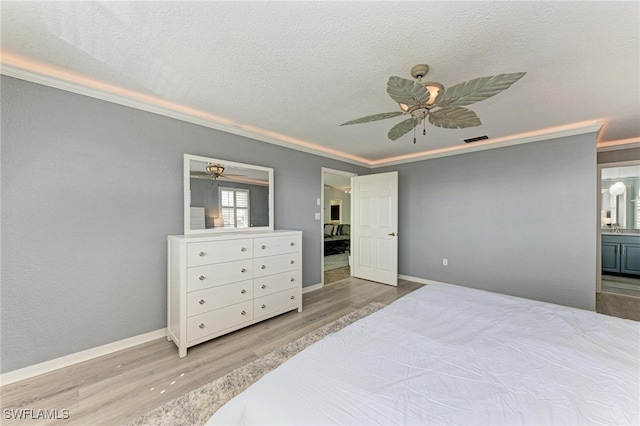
x=374, y=241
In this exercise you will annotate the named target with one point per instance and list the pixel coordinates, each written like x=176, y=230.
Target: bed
x=446, y=354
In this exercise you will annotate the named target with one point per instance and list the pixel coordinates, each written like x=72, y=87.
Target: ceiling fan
x=212, y=171
x=429, y=100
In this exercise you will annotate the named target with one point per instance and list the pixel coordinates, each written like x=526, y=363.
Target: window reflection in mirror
x=223, y=196
x=620, y=198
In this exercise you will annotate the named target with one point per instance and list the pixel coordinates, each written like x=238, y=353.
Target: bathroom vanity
x=621, y=253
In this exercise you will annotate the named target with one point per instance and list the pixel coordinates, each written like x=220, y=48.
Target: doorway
x=619, y=228
x=335, y=224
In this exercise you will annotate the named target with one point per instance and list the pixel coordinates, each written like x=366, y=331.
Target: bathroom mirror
x=225, y=196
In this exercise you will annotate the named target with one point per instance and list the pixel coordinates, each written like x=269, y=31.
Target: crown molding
x=46, y=80
x=300, y=145
x=617, y=145
x=552, y=133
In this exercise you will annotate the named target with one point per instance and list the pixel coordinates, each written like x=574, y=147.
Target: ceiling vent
x=479, y=138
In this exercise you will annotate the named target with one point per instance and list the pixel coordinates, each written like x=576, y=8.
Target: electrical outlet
x=445, y=262
x=317, y=216
x=318, y=201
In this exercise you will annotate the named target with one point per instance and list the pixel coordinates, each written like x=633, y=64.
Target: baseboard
x=313, y=287
x=419, y=280
x=67, y=360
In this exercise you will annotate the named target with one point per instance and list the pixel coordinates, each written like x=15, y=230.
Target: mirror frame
x=230, y=164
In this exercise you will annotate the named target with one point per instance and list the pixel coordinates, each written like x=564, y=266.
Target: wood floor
x=121, y=386
x=335, y=275
x=618, y=305
x=621, y=284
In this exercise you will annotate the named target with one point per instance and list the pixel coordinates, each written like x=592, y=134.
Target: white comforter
x=451, y=355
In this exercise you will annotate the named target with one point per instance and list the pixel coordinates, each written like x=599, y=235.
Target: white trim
x=68, y=360
x=492, y=144
x=418, y=280
x=313, y=287
x=618, y=145
x=57, y=83
x=304, y=146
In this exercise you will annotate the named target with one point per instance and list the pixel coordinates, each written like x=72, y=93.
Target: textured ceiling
x=294, y=71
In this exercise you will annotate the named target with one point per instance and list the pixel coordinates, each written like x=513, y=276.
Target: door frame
x=321, y=226
x=599, y=207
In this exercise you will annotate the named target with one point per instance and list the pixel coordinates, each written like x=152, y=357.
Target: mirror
x=224, y=196
x=620, y=198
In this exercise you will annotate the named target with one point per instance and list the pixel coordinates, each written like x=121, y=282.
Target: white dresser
x=220, y=283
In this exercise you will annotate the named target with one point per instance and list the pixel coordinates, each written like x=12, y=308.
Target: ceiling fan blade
x=402, y=128
x=406, y=92
x=454, y=118
x=374, y=117
x=203, y=175
x=477, y=89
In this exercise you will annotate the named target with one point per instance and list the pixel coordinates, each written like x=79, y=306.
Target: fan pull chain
x=424, y=128
x=414, y=134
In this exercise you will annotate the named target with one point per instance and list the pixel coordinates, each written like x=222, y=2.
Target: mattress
x=446, y=354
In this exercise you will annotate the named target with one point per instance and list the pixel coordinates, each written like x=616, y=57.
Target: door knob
x=393, y=234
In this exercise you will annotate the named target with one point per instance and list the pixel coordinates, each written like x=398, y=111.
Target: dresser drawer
x=202, y=277
x=267, y=305
x=269, y=246
x=275, y=264
x=270, y=284
x=212, y=298
x=206, y=253
x=215, y=321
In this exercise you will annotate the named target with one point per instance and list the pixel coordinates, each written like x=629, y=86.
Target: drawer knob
x=201, y=325
x=292, y=244
x=293, y=297
x=243, y=270
x=201, y=301
x=201, y=254
x=292, y=262
x=243, y=313
x=264, y=306
x=263, y=286
x=263, y=267
x=201, y=277
x=263, y=247
x=292, y=279
x=243, y=249
x=243, y=291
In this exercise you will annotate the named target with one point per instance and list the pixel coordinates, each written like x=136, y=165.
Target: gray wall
x=90, y=190
x=518, y=220
x=336, y=194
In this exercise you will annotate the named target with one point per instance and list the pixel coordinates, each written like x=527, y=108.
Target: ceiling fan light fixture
x=434, y=90
x=215, y=169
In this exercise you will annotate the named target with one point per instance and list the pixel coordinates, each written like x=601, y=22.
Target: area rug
x=196, y=407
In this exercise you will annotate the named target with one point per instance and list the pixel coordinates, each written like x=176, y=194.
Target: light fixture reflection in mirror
x=620, y=208
x=226, y=196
